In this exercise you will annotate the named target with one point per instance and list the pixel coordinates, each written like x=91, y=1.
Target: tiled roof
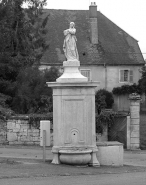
x=115, y=46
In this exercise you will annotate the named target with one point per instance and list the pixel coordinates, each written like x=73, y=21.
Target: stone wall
x=21, y=132
x=18, y=131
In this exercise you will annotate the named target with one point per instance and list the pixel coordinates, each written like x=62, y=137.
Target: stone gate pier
x=134, y=121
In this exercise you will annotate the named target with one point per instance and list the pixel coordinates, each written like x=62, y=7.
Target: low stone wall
x=18, y=131
x=110, y=153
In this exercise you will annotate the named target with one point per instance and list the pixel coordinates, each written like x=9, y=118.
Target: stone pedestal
x=71, y=72
x=134, y=121
x=74, y=117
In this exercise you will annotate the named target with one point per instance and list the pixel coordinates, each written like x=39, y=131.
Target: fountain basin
x=75, y=157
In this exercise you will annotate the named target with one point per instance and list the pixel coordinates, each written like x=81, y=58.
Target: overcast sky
x=130, y=15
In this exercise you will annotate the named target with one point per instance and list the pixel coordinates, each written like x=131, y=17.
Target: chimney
x=93, y=23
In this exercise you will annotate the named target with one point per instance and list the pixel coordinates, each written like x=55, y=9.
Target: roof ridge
x=64, y=9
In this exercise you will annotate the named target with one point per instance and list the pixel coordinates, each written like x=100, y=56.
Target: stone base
x=110, y=153
x=134, y=146
x=94, y=162
x=71, y=72
x=55, y=152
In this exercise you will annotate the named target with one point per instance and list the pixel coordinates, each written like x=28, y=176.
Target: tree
x=103, y=99
x=22, y=34
x=33, y=95
x=23, y=30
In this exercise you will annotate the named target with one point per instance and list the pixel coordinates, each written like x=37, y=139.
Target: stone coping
x=109, y=143
x=73, y=84
x=134, y=96
x=19, y=117
x=27, y=117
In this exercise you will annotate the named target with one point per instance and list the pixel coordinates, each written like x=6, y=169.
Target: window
x=126, y=75
x=86, y=73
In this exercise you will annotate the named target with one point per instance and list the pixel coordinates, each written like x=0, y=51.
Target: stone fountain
x=73, y=111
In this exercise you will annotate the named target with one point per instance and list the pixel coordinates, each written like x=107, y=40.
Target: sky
x=130, y=15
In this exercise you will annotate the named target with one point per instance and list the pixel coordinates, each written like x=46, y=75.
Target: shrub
x=33, y=95
x=127, y=89
x=103, y=100
x=105, y=118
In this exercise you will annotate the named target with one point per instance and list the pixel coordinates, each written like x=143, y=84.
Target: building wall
x=109, y=76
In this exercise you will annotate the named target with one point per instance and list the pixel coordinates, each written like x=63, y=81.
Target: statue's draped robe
x=69, y=46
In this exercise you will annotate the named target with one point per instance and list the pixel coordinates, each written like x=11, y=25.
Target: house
x=107, y=53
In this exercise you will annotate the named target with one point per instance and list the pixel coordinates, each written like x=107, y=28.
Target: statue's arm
x=72, y=31
x=66, y=32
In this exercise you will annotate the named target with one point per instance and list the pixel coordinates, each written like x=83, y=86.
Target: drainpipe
x=105, y=76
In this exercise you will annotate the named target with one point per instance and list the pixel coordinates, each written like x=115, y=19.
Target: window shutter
x=121, y=75
x=131, y=76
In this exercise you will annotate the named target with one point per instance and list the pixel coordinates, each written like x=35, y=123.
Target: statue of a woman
x=69, y=46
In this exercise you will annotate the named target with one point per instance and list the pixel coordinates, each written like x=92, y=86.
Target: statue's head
x=72, y=24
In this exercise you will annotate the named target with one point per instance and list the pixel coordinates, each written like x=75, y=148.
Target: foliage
x=34, y=119
x=142, y=81
x=33, y=95
x=4, y=109
x=127, y=89
x=105, y=118
x=22, y=30
x=22, y=34
x=103, y=100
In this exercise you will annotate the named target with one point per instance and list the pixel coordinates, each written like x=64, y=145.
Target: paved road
x=25, y=152
x=22, y=171
x=134, y=158
x=102, y=179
